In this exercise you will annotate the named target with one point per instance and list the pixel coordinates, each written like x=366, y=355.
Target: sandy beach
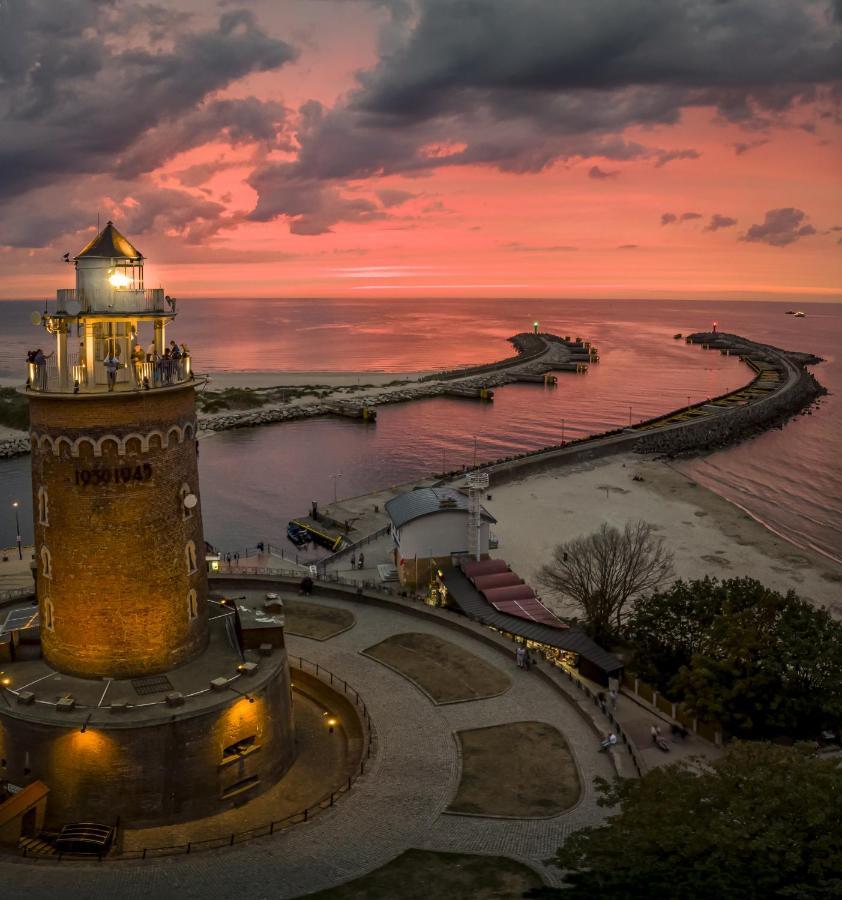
x=707, y=534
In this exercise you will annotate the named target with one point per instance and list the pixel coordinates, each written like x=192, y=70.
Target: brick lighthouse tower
x=113, y=421
x=143, y=701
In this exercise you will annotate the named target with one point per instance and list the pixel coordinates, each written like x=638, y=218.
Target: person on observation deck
x=112, y=364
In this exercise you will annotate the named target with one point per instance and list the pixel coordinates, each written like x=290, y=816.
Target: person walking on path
x=361, y=562
x=520, y=656
x=353, y=560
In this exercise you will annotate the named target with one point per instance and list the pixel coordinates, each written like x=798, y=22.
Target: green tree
x=760, y=822
x=761, y=663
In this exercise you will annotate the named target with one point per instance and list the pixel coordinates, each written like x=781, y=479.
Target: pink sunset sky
x=608, y=148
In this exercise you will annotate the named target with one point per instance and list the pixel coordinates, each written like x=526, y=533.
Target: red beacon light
x=714, y=327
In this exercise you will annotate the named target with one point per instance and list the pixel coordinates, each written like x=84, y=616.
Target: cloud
x=669, y=218
x=85, y=86
x=627, y=246
x=517, y=247
x=742, y=147
x=662, y=157
x=522, y=86
x=311, y=207
x=596, y=172
x=717, y=221
x=390, y=197
x=779, y=228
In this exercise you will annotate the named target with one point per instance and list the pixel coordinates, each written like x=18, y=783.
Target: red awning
x=511, y=592
x=472, y=567
x=498, y=579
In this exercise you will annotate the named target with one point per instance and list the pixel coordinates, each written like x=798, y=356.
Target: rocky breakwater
x=797, y=389
x=537, y=354
x=14, y=445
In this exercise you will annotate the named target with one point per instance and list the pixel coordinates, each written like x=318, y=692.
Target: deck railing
x=112, y=300
x=46, y=377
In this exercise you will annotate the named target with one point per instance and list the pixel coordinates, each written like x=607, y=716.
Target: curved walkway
x=399, y=802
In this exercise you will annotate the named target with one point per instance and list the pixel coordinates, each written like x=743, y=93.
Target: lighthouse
x=118, y=526
x=130, y=693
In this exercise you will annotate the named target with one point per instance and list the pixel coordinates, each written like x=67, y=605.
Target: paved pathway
x=398, y=804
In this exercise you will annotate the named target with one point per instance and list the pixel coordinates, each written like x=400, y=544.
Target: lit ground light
x=314, y=621
x=521, y=770
x=420, y=874
x=445, y=672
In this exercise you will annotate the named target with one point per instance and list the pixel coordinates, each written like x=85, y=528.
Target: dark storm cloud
x=600, y=174
x=779, y=228
x=668, y=218
x=520, y=86
x=689, y=216
x=85, y=86
x=717, y=221
x=482, y=51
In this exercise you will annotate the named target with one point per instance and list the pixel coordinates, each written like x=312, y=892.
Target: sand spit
x=708, y=534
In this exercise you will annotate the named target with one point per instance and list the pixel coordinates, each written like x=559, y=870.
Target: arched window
x=46, y=563
x=190, y=557
x=184, y=491
x=192, y=604
x=43, y=506
x=49, y=617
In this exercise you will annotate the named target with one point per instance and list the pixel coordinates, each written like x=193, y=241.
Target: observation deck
x=149, y=375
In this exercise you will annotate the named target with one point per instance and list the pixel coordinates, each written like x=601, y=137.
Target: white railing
x=112, y=300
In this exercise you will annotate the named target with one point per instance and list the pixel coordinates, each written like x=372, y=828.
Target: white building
x=430, y=529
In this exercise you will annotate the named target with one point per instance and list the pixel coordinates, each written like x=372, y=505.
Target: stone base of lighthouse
x=201, y=738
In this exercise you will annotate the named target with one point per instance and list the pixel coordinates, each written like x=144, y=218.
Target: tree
x=602, y=572
x=760, y=822
x=761, y=663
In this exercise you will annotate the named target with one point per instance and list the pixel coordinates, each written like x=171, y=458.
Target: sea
x=254, y=480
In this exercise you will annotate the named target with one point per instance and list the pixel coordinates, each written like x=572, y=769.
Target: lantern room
x=110, y=330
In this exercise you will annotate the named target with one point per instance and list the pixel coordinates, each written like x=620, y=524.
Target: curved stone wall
x=169, y=768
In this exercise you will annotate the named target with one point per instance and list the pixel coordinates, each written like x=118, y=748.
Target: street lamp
x=562, y=431
x=335, y=477
x=630, y=416
x=15, y=506
x=475, y=451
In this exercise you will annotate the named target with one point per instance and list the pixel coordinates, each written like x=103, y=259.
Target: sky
x=412, y=148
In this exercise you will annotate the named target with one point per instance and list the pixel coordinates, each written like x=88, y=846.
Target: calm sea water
x=254, y=480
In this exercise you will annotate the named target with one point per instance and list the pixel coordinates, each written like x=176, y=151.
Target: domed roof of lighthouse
x=109, y=244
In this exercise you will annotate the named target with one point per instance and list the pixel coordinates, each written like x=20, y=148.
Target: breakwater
x=781, y=388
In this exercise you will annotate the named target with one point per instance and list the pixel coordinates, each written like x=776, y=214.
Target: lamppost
x=335, y=477
x=562, y=431
x=442, y=461
x=475, y=451
x=15, y=505
x=630, y=416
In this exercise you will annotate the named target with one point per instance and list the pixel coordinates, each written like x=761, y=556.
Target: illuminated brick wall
x=171, y=768
x=114, y=542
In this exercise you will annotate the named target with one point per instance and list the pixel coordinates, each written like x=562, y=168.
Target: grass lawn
x=421, y=874
x=444, y=671
x=521, y=769
x=315, y=621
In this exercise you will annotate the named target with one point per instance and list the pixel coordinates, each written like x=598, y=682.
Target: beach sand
x=707, y=534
